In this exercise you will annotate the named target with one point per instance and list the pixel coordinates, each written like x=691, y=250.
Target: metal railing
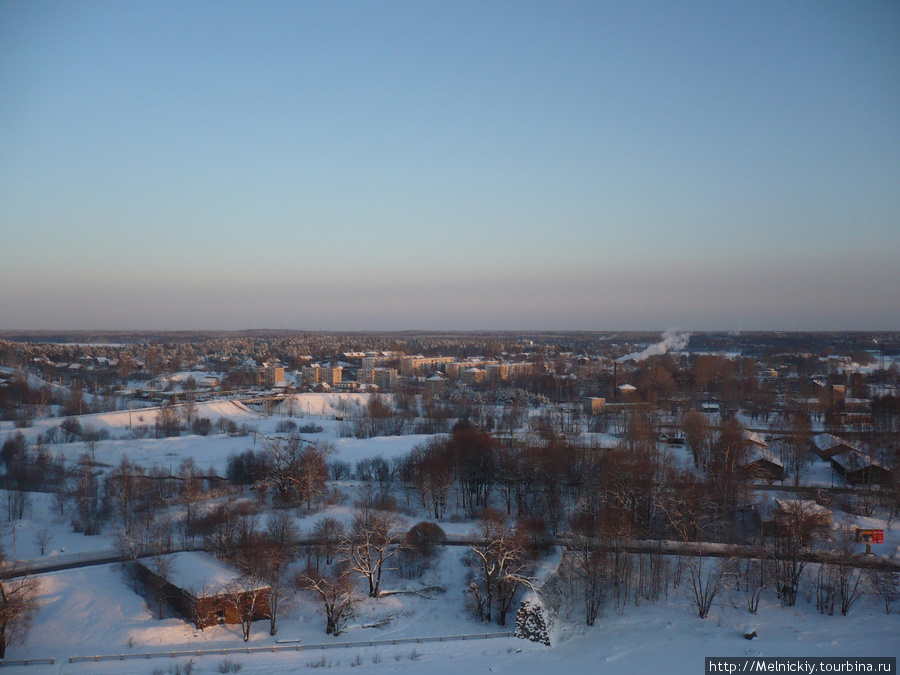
x=28, y=662
x=285, y=648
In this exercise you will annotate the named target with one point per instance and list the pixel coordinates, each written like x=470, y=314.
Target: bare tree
x=85, y=494
x=698, y=435
x=275, y=552
x=282, y=533
x=122, y=488
x=297, y=472
x=335, y=589
x=475, y=465
x=794, y=443
x=633, y=481
x=798, y=523
x=191, y=488
x=189, y=408
x=849, y=576
x=585, y=565
x=886, y=585
x=755, y=581
x=18, y=603
x=687, y=507
x=167, y=420
x=161, y=566
x=375, y=537
x=43, y=537
x=499, y=561
x=728, y=486
x=312, y=471
x=61, y=493
x=705, y=586
x=328, y=535
x=16, y=502
x=91, y=438
x=826, y=589
x=248, y=597
x=433, y=474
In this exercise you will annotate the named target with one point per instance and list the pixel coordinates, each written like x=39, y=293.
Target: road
x=667, y=548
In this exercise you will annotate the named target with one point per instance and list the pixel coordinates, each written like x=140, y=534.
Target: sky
x=691, y=165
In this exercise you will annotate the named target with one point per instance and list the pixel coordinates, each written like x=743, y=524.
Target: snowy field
x=94, y=611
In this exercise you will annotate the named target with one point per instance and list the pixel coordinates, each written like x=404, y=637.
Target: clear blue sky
x=494, y=165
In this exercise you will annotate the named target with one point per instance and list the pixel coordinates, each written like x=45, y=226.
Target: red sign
x=870, y=536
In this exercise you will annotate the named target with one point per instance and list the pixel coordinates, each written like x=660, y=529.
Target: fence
x=28, y=662
x=285, y=648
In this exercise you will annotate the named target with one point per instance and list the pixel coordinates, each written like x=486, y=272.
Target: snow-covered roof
x=828, y=441
x=754, y=438
x=758, y=453
x=202, y=575
x=804, y=506
x=853, y=460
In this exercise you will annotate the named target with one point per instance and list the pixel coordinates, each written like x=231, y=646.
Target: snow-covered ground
x=95, y=610
x=117, y=424
x=325, y=404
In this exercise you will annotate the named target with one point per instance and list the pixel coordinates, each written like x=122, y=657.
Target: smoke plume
x=672, y=341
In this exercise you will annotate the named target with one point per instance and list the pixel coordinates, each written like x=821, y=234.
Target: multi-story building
x=332, y=375
x=377, y=359
x=416, y=365
x=455, y=369
x=371, y=361
x=385, y=378
x=316, y=374
x=473, y=376
x=268, y=376
x=434, y=385
x=499, y=372
x=310, y=375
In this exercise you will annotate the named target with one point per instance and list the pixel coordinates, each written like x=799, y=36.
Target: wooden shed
x=858, y=468
x=762, y=464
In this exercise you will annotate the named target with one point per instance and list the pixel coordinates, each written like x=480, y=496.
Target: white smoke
x=672, y=341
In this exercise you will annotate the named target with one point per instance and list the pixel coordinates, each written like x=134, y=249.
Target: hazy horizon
x=396, y=166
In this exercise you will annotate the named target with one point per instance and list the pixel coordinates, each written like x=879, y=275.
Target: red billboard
x=870, y=536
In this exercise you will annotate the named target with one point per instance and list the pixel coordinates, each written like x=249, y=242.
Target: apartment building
x=316, y=374
x=411, y=366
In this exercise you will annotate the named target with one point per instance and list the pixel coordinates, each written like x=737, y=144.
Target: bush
x=245, y=430
x=339, y=470
x=286, y=427
x=202, y=426
x=226, y=665
x=421, y=546
x=310, y=429
x=52, y=435
x=247, y=467
x=226, y=426
x=71, y=429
